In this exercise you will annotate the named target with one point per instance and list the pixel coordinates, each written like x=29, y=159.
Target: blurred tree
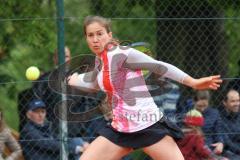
x=197, y=40
x=205, y=29
x=20, y=23
x=27, y=33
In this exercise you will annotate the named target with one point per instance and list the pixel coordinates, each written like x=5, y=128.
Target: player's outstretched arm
x=138, y=60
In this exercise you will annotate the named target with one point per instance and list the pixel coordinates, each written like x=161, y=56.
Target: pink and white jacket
x=118, y=72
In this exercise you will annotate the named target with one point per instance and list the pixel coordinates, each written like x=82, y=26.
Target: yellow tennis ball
x=32, y=73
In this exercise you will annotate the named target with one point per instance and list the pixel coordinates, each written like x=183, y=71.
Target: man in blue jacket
x=37, y=138
x=231, y=123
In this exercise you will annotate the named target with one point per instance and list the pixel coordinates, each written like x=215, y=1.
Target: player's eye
x=100, y=34
x=90, y=35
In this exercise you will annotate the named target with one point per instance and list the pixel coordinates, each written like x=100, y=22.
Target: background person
x=193, y=146
x=7, y=140
x=37, y=137
x=231, y=123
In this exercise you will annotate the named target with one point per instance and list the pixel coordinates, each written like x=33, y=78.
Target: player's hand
x=72, y=79
x=211, y=82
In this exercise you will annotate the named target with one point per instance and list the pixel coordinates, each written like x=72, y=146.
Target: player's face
x=97, y=37
x=232, y=103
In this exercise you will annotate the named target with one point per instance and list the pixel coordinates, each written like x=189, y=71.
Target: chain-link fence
x=199, y=36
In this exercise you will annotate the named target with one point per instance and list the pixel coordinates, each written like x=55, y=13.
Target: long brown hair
x=105, y=22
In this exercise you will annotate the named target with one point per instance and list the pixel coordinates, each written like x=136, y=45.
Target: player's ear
x=110, y=34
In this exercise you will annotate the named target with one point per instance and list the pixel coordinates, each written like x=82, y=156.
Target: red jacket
x=193, y=147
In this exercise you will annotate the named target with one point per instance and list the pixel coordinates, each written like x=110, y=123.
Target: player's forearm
x=189, y=81
x=174, y=73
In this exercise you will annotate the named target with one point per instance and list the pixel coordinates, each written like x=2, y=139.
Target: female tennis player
x=137, y=121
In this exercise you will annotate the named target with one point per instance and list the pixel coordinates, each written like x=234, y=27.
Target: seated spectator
x=7, y=140
x=212, y=124
x=192, y=145
x=37, y=138
x=231, y=124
